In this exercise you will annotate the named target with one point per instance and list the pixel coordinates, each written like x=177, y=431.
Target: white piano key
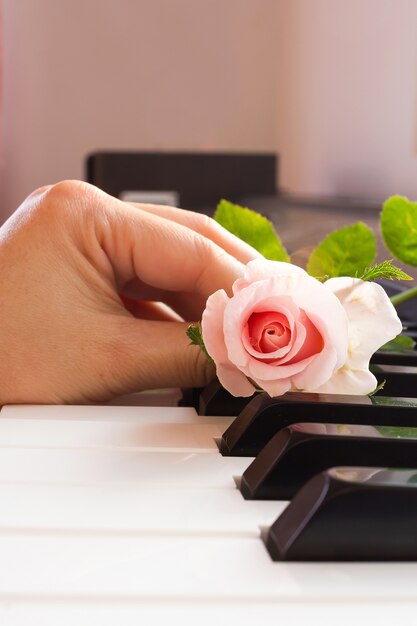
x=315, y=613
x=162, y=415
x=176, y=569
x=82, y=508
x=128, y=434
x=169, y=468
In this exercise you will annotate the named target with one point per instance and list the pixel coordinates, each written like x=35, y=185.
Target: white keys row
x=103, y=413
x=87, y=517
x=133, y=434
x=123, y=508
x=170, y=568
x=317, y=613
x=150, y=467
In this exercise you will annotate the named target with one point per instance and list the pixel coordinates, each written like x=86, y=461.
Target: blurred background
x=328, y=85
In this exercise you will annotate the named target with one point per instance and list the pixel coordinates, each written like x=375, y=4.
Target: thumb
x=156, y=355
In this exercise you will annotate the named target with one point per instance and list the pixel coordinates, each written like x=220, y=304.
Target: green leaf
x=397, y=431
x=385, y=270
x=398, y=344
x=196, y=337
x=345, y=252
x=393, y=402
x=253, y=228
x=399, y=228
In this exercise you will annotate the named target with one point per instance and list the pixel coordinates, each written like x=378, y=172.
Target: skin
x=94, y=294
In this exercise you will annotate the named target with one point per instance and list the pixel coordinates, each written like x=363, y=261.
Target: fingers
x=39, y=191
x=156, y=355
x=150, y=310
x=189, y=306
x=207, y=227
x=161, y=253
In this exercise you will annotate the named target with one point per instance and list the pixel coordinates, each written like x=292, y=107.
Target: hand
x=94, y=293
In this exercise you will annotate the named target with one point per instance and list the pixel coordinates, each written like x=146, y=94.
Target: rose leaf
x=195, y=335
x=397, y=431
x=398, y=344
x=399, y=228
x=348, y=251
x=389, y=401
x=253, y=228
x=385, y=270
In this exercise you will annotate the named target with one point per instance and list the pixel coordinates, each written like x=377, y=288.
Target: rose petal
x=234, y=381
x=276, y=306
x=264, y=371
x=325, y=363
x=372, y=318
x=309, y=294
x=230, y=377
x=268, y=331
x=274, y=336
x=261, y=269
x=348, y=381
x=254, y=299
x=275, y=388
x=317, y=371
x=312, y=343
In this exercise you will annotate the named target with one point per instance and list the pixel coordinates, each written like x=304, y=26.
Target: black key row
x=300, y=441
x=349, y=514
x=399, y=380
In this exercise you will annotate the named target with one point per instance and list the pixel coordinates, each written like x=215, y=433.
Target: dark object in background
x=200, y=179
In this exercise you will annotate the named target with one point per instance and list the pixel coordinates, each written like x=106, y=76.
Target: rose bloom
x=283, y=330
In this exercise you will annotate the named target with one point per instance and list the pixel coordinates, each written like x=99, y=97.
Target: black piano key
x=299, y=451
x=190, y=397
x=399, y=380
x=215, y=400
x=263, y=417
x=405, y=358
x=349, y=514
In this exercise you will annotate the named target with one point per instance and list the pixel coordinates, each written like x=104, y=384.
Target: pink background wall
x=347, y=97
x=133, y=74
x=329, y=84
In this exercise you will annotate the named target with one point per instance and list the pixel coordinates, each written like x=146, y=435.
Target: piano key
x=102, y=413
x=398, y=380
x=299, y=451
x=125, y=433
x=171, y=568
x=392, y=368
x=349, y=514
x=215, y=400
x=263, y=417
x=190, y=396
x=113, y=466
x=390, y=357
x=206, y=613
x=72, y=612
x=152, y=510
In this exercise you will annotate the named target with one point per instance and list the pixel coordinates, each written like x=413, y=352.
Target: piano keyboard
x=130, y=515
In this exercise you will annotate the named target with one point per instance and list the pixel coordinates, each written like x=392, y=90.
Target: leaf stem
x=399, y=298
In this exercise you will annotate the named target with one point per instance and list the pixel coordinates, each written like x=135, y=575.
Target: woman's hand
x=96, y=295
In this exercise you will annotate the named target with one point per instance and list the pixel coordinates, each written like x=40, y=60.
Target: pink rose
x=283, y=330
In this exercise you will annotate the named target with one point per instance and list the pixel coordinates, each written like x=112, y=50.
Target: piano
x=128, y=513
